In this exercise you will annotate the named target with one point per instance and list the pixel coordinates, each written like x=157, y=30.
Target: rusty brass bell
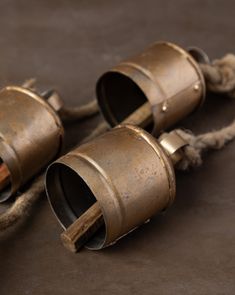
x=127, y=171
x=165, y=75
x=31, y=135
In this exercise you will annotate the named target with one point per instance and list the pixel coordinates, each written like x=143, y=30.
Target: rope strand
x=78, y=113
x=22, y=205
x=100, y=129
x=220, y=75
x=192, y=154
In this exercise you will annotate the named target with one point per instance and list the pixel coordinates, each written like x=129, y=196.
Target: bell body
x=30, y=135
x=165, y=75
x=125, y=170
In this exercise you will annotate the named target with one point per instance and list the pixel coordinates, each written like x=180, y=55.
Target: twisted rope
x=22, y=205
x=78, y=113
x=220, y=75
x=192, y=153
x=100, y=129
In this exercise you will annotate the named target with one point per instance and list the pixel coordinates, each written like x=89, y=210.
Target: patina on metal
x=127, y=171
x=31, y=135
x=165, y=75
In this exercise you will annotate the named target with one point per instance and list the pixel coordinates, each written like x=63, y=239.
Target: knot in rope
x=220, y=75
x=192, y=153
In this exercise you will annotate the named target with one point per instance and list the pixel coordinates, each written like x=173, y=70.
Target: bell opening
x=70, y=197
x=118, y=97
x=5, y=182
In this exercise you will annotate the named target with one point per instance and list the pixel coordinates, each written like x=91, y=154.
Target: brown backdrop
x=68, y=44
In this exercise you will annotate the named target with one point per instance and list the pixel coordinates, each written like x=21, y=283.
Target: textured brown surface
x=188, y=250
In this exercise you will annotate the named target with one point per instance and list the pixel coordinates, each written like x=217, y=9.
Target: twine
x=22, y=205
x=192, y=153
x=220, y=75
x=78, y=113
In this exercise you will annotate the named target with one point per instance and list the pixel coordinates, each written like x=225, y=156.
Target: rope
x=192, y=153
x=22, y=205
x=100, y=129
x=220, y=75
x=78, y=113
x=68, y=113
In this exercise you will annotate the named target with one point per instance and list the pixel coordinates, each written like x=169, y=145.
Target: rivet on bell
x=196, y=87
x=165, y=107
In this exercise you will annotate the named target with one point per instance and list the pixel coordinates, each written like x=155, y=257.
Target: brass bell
x=31, y=135
x=165, y=76
x=126, y=171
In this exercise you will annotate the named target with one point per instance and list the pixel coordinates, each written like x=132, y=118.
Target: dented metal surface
x=165, y=75
x=31, y=135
